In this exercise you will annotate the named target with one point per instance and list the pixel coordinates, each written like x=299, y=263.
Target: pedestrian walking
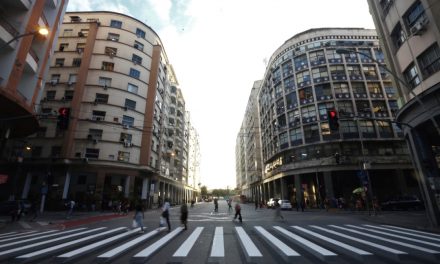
x=70, y=206
x=215, y=205
x=139, y=217
x=238, y=212
x=166, y=213
x=278, y=213
x=184, y=214
x=230, y=205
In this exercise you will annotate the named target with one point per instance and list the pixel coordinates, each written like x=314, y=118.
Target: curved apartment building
x=303, y=158
x=410, y=37
x=125, y=134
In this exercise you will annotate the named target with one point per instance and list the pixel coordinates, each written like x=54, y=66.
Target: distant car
x=272, y=202
x=403, y=203
x=285, y=204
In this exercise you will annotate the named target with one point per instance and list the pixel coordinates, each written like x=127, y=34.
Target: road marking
x=24, y=224
x=188, y=244
x=334, y=242
x=123, y=248
x=391, y=253
x=387, y=240
x=14, y=250
x=144, y=254
x=11, y=233
x=412, y=230
x=324, y=254
x=45, y=251
x=84, y=250
x=218, y=247
x=393, y=235
x=247, y=243
x=286, y=250
x=20, y=236
x=402, y=232
x=39, y=237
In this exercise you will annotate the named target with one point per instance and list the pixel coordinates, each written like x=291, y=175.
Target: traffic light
x=333, y=120
x=63, y=118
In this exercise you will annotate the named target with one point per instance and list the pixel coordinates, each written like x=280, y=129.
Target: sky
x=218, y=48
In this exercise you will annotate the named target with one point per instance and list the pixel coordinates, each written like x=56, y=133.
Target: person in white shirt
x=166, y=213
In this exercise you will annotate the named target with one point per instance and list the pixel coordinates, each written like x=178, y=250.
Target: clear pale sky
x=218, y=48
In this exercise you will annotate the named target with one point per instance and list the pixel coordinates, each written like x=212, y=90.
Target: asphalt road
x=212, y=237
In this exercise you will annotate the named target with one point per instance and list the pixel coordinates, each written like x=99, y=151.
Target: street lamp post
x=41, y=31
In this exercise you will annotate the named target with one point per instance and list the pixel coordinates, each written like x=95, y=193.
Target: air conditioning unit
x=105, y=86
x=54, y=82
x=125, y=108
x=128, y=144
x=126, y=126
x=89, y=137
x=95, y=141
x=80, y=50
x=419, y=27
x=97, y=118
x=70, y=83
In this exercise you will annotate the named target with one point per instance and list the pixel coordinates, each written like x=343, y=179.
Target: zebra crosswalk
x=323, y=243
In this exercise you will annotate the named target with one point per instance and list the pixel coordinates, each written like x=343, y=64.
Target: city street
x=305, y=237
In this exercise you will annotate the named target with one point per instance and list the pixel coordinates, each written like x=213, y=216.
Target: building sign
x=273, y=165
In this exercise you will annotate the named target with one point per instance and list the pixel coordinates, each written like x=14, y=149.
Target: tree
x=204, y=191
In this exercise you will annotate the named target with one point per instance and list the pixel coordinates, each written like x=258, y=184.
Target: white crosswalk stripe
x=327, y=243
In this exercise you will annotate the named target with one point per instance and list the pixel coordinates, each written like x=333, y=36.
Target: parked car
x=272, y=202
x=410, y=202
x=285, y=204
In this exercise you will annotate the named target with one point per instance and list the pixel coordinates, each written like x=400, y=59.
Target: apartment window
x=289, y=83
x=110, y=51
x=105, y=82
x=301, y=61
x=287, y=69
x=113, y=37
x=140, y=33
x=367, y=128
x=344, y=108
x=333, y=56
x=308, y=111
x=429, y=61
x=98, y=115
x=317, y=56
x=138, y=45
x=325, y=129
x=130, y=104
x=50, y=95
x=302, y=77
x=278, y=90
x=125, y=137
x=107, y=66
x=385, y=5
x=370, y=72
x=291, y=100
x=68, y=95
x=101, y=98
x=293, y=117
x=63, y=46
x=123, y=156
x=311, y=133
x=414, y=14
x=95, y=134
x=323, y=91
x=134, y=73
x=379, y=108
x=322, y=108
x=374, y=88
x=136, y=59
x=92, y=153
x=341, y=88
x=358, y=88
x=296, y=136
x=115, y=23
x=398, y=35
x=132, y=88
x=320, y=72
x=59, y=62
x=55, y=78
x=349, y=127
x=412, y=75
x=379, y=55
x=365, y=55
x=80, y=47
x=337, y=70
x=127, y=120
x=72, y=78
x=84, y=32
x=363, y=106
x=67, y=32
x=354, y=70
x=76, y=62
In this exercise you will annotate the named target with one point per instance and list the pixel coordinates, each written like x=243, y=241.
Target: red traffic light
x=332, y=114
x=63, y=111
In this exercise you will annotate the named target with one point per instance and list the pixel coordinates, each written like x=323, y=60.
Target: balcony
x=7, y=32
x=31, y=61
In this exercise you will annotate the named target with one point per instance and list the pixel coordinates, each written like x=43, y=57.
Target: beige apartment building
x=123, y=137
x=24, y=61
x=410, y=37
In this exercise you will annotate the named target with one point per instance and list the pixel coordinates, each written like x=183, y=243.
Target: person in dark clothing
x=166, y=213
x=215, y=205
x=184, y=214
x=238, y=212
